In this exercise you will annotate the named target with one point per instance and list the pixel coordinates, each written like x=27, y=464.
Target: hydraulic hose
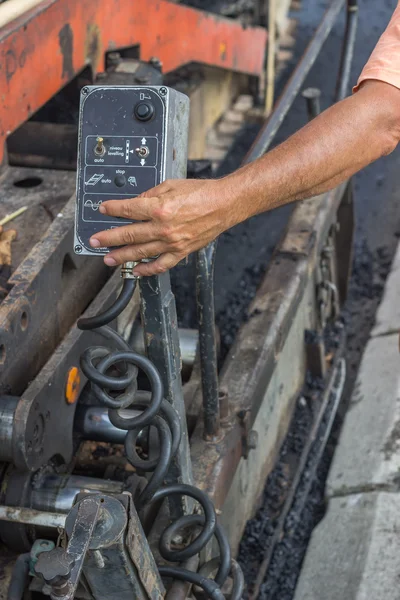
x=112, y=371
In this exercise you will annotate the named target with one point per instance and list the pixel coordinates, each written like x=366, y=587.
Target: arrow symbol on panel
x=142, y=162
x=144, y=141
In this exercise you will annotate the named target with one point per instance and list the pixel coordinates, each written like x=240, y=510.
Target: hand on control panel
x=178, y=217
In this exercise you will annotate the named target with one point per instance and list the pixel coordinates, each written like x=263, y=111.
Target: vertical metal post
x=312, y=97
x=348, y=50
x=205, y=260
x=160, y=326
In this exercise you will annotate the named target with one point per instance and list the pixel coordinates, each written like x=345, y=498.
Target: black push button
x=120, y=180
x=144, y=111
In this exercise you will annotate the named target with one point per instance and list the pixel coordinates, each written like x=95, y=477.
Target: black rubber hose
x=19, y=577
x=208, y=585
x=238, y=581
x=223, y=561
x=202, y=539
x=164, y=459
x=114, y=311
x=142, y=401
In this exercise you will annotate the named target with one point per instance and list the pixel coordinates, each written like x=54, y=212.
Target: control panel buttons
x=120, y=180
x=100, y=148
x=144, y=111
x=142, y=152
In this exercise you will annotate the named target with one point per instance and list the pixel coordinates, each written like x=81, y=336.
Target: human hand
x=176, y=218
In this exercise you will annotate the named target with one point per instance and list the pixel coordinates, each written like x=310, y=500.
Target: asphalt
x=239, y=272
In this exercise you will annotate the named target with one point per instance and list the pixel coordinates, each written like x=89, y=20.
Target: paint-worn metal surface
x=265, y=368
x=45, y=48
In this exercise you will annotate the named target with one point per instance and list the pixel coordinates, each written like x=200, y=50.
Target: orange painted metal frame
x=46, y=47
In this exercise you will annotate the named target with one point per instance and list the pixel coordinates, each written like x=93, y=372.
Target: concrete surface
x=388, y=315
x=354, y=551
x=354, y=554
x=368, y=452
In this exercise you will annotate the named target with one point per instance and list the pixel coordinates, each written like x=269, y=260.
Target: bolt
x=85, y=91
x=78, y=249
x=113, y=59
x=163, y=91
x=252, y=440
x=156, y=63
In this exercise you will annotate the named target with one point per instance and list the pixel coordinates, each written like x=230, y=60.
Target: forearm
x=331, y=148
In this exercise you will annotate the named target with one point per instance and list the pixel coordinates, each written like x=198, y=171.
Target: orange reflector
x=72, y=387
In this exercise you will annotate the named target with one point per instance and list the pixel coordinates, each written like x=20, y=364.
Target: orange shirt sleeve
x=384, y=63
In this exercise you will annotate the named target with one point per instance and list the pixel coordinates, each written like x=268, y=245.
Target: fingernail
x=110, y=262
x=94, y=243
x=102, y=209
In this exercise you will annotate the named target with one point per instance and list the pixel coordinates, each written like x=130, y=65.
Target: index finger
x=137, y=209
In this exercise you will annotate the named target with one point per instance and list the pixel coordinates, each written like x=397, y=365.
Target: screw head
x=78, y=249
x=163, y=91
x=85, y=91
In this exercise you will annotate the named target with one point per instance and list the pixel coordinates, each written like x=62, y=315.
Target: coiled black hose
x=118, y=391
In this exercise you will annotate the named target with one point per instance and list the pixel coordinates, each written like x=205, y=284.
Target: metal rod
x=160, y=324
x=312, y=97
x=348, y=49
x=272, y=125
x=269, y=96
x=29, y=516
x=205, y=260
x=56, y=493
x=188, y=341
x=93, y=423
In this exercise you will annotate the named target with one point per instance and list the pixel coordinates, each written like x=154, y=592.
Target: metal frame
x=78, y=33
x=257, y=382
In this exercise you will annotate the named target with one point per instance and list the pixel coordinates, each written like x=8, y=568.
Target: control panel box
x=130, y=140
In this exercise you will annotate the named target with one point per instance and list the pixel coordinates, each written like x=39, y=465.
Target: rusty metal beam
x=256, y=354
x=45, y=48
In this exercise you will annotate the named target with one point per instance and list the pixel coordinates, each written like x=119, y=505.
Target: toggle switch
x=100, y=148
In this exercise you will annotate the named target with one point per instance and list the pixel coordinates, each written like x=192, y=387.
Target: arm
x=180, y=217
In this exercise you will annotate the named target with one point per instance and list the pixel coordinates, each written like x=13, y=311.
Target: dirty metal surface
x=43, y=422
x=44, y=192
x=254, y=357
x=49, y=289
x=78, y=33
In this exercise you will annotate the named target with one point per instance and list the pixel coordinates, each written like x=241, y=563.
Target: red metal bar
x=46, y=47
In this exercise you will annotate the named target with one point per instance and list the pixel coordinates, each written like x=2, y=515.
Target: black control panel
x=124, y=137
